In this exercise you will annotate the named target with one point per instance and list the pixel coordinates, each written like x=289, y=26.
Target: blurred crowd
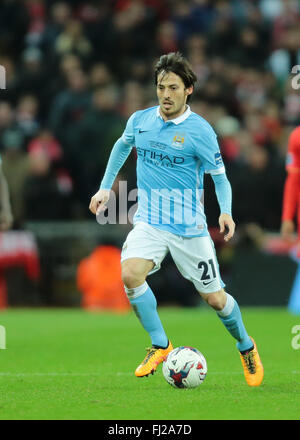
x=76, y=70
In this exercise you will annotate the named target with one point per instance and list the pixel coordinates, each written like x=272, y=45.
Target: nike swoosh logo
x=142, y=131
x=206, y=284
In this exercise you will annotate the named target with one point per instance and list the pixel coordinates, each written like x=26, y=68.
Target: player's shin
x=231, y=317
x=144, y=305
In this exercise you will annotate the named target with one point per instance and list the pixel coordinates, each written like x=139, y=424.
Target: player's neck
x=173, y=116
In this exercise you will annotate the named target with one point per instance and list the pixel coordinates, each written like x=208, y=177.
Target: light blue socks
x=232, y=319
x=144, y=305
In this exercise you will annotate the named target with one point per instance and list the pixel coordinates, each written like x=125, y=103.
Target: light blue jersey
x=172, y=159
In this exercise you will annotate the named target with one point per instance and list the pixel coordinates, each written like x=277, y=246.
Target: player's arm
x=118, y=156
x=290, y=202
x=224, y=197
x=212, y=163
x=6, y=218
x=292, y=186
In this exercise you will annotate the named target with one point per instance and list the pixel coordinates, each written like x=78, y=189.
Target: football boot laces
x=250, y=362
x=150, y=352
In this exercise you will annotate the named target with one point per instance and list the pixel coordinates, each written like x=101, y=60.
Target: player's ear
x=189, y=90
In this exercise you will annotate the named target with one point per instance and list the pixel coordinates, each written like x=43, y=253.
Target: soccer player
x=291, y=208
x=292, y=186
x=6, y=218
x=175, y=147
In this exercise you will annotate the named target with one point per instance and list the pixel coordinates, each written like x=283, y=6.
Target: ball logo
x=184, y=367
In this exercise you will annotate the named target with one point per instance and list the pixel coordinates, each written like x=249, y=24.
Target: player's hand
x=6, y=220
x=226, y=221
x=99, y=200
x=287, y=230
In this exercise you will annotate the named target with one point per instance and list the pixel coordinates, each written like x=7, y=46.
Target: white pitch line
x=120, y=373
x=48, y=374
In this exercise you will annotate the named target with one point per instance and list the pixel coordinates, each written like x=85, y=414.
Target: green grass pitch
x=71, y=364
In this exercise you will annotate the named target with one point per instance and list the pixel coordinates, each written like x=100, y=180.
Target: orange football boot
x=153, y=358
x=253, y=367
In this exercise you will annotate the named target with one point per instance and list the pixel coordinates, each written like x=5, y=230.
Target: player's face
x=172, y=94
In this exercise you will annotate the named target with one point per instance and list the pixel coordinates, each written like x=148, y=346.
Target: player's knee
x=131, y=276
x=216, y=300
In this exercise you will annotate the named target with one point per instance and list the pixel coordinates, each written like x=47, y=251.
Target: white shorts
x=195, y=257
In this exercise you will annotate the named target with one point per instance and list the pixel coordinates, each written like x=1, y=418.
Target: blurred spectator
x=98, y=131
x=67, y=111
x=44, y=198
x=68, y=64
x=8, y=126
x=60, y=13
x=287, y=19
x=227, y=128
x=139, y=71
x=6, y=116
x=73, y=40
x=96, y=17
x=249, y=51
x=271, y=9
x=37, y=18
x=256, y=189
x=134, y=18
x=200, y=67
x=271, y=121
x=221, y=36
x=286, y=54
x=166, y=38
x=191, y=17
x=6, y=217
x=33, y=75
x=16, y=170
x=27, y=116
x=45, y=142
x=250, y=91
x=100, y=76
x=254, y=125
x=133, y=98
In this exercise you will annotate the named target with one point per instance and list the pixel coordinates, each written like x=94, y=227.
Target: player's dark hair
x=176, y=63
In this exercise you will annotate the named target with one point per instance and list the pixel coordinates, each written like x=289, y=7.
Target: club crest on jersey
x=178, y=142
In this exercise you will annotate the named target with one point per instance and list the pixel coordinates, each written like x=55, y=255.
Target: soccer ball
x=185, y=367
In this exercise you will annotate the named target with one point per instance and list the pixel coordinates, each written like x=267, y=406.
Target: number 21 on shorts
x=208, y=271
